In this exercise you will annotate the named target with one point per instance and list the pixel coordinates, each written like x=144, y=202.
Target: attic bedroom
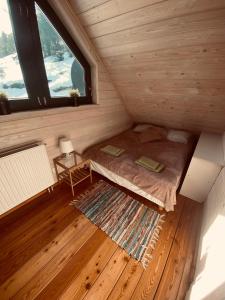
x=112, y=149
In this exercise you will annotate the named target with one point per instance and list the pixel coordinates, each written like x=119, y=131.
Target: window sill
x=45, y=112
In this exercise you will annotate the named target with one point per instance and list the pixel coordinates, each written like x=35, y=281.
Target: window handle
x=39, y=101
x=45, y=101
x=27, y=11
x=20, y=9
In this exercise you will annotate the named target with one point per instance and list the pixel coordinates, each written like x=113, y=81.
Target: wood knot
x=134, y=268
x=126, y=258
x=88, y=286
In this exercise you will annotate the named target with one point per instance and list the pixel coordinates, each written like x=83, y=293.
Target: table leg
x=71, y=183
x=90, y=171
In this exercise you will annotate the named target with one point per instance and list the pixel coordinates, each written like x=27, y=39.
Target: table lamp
x=66, y=146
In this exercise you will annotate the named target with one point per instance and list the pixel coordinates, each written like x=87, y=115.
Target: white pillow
x=141, y=127
x=178, y=136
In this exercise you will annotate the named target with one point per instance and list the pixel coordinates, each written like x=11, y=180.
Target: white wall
x=209, y=283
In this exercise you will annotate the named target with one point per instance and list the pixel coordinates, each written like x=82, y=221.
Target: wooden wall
x=85, y=125
x=167, y=58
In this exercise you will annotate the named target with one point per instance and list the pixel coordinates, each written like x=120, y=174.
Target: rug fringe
x=151, y=246
x=73, y=202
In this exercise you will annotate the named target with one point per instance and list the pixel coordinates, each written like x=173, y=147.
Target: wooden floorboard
x=174, y=279
x=49, y=250
x=82, y=282
x=23, y=248
x=126, y=284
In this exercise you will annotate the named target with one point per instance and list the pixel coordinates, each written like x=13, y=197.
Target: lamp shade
x=65, y=145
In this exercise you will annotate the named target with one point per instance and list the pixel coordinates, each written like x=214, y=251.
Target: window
x=39, y=61
x=63, y=69
x=11, y=77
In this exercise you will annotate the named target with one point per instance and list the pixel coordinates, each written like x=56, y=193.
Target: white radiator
x=22, y=175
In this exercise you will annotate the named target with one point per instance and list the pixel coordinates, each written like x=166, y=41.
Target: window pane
x=11, y=77
x=64, y=71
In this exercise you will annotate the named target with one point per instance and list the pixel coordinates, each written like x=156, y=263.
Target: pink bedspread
x=162, y=185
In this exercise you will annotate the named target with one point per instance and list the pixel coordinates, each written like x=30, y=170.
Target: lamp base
x=68, y=155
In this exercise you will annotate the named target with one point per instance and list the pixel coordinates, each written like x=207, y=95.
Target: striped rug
x=132, y=225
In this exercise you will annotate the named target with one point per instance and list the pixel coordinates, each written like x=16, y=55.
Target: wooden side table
x=70, y=172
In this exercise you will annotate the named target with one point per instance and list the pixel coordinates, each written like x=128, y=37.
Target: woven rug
x=132, y=225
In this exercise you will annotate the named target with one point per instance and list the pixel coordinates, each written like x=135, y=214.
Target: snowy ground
x=58, y=74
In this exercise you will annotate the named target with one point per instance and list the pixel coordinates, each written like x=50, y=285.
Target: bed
x=159, y=188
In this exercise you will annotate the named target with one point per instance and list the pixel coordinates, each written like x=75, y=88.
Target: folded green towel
x=150, y=164
x=112, y=150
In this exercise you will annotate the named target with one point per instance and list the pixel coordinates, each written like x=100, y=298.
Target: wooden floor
x=49, y=250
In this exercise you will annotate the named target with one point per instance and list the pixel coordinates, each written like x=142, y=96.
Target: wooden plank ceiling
x=167, y=58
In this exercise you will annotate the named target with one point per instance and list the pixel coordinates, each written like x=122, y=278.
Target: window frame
x=35, y=79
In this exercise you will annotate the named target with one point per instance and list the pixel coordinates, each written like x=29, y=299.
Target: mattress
x=123, y=182
x=159, y=188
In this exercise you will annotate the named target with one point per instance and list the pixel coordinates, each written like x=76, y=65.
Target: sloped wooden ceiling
x=167, y=58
